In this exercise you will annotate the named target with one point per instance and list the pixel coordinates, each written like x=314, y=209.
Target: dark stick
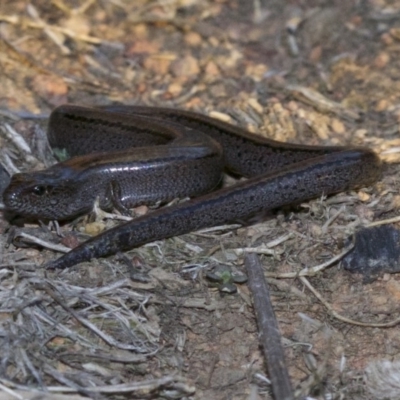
x=268, y=330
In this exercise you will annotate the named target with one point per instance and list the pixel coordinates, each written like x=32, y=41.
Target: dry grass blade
x=235, y=60
x=43, y=243
x=51, y=28
x=341, y=317
x=40, y=331
x=167, y=387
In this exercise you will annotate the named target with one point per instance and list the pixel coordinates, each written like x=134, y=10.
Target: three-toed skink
x=129, y=155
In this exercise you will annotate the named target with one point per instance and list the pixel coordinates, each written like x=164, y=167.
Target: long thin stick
x=268, y=330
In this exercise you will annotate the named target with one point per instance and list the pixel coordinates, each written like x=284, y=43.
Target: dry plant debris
x=148, y=324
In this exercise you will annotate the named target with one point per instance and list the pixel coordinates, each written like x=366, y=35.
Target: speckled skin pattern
x=174, y=153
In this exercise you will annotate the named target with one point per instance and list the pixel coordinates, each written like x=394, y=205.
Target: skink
x=128, y=155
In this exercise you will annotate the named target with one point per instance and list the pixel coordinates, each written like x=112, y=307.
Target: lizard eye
x=39, y=190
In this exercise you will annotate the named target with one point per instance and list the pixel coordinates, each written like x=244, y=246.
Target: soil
x=314, y=72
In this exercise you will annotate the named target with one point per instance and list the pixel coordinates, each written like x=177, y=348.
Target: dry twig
x=270, y=336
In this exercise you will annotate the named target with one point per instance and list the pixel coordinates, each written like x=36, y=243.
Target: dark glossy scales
x=188, y=147
x=123, y=160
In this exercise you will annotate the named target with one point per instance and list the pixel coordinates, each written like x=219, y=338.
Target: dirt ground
x=315, y=72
